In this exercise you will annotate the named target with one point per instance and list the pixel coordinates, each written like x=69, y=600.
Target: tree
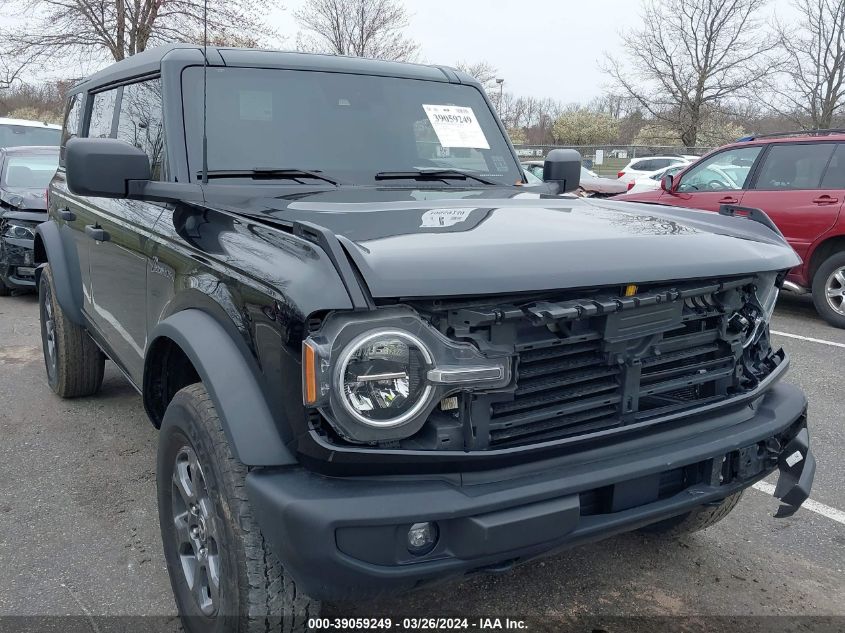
x=360, y=28
x=120, y=28
x=580, y=126
x=483, y=72
x=716, y=130
x=691, y=57
x=815, y=71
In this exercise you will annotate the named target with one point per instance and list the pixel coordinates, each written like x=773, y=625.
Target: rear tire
x=207, y=525
x=74, y=363
x=698, y=519
x=829, y=290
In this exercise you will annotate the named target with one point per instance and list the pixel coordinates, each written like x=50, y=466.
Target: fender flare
x=67, y=283
x=232, y=383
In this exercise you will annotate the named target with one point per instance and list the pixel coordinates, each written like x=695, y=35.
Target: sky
x=542, y=48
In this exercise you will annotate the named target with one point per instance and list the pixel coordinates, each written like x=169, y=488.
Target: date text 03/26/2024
x=417, y=624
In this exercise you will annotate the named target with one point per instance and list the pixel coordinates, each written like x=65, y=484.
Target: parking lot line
x=808, y=338
x=809, y=504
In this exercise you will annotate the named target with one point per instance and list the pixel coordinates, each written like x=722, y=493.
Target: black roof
x=150, y=62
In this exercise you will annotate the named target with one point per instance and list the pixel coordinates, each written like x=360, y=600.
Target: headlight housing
x=377, y=377
x=18, y=231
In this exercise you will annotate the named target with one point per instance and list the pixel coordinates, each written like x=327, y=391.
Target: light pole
x=501, y=83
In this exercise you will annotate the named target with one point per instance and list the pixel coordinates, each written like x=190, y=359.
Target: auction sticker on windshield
x=456, y=126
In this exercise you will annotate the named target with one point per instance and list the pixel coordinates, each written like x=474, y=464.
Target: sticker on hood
x=456, y=126
x=444, y=217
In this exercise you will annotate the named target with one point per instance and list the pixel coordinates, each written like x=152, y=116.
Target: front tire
x=223, y=574
x=74, y=363
x=829, y=290
x=5, y=291
x=696, y=520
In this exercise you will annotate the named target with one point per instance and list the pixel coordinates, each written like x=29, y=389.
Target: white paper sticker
x=436, y=218
x=794, y=459
x=456, y=126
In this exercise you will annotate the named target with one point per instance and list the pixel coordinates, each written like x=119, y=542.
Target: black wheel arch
x=67, y=279
x=192, y=346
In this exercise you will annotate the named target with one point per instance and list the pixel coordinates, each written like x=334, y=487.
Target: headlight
x=382, y=378
x=377, y=376
x=18, y=231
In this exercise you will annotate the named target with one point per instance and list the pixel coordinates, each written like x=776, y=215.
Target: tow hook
x=797, y=468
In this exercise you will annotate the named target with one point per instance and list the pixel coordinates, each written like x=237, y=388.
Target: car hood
x=24, y=197
x=441, y=243
x=603, y=185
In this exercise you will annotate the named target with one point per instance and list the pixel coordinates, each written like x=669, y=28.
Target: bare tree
x=815, y=73
x=484, y=72
x=120, y=28
x=360, y=28
x=691, y=57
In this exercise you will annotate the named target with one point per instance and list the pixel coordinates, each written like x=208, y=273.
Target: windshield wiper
x=432, y=174
x=269, y=173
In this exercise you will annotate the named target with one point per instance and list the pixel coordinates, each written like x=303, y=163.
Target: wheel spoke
x=839, y=275
x=213, y=571
x=182, y=482
x=191, y=569
x=834, y=292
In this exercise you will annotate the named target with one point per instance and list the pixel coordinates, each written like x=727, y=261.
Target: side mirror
x=667, y=182
x=563, y=167
x=104, y=167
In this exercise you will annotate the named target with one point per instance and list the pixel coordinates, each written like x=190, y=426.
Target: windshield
x=34, y=172
x=19, y=135
x=348, y=127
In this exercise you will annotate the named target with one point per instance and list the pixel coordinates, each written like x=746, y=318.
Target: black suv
x=377, y=357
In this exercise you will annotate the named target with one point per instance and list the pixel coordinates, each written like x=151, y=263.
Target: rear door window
x=102, y=114
x=834, y=176
x=794, y=167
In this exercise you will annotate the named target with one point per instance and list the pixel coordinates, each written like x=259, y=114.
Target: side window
x=140, y=121
x=726, y=171
x=798, y=166
x=643, y=165
x=73, y=116
x=102, y=114
x=660, y=163
x=834, y=177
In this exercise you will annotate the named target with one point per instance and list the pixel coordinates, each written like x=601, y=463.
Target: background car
x=650, y=183
x=25, y=173
x=591, y=183
x=798, y=179
x=21, y=132
x=650, y=165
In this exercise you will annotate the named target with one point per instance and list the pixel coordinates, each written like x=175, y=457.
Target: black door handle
x=95, y=232
x=66, y=214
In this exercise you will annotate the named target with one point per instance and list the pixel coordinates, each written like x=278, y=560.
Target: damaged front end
x=17, y=238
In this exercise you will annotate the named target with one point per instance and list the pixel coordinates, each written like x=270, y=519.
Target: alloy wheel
x=49, y=335
x=835, y=291
x=196, y=526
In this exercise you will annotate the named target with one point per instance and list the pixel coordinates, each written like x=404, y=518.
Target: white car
x=18, y=132
x=650, y=165
x=652, y=182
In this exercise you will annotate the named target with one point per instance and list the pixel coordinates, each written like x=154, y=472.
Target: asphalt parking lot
x=79, y=529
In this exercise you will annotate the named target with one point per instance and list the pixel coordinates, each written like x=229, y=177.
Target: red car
x=798, y=179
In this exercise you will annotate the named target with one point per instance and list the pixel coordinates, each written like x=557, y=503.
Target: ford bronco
x=377, y=357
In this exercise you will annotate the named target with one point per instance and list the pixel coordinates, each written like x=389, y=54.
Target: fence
x=608, y=160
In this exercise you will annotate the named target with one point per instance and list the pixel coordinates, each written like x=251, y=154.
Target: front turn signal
x=309, y=373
